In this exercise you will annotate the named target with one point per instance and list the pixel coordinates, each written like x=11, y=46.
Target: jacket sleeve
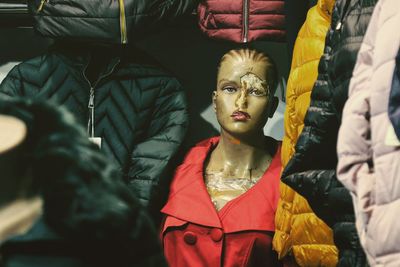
x=327, y=197
x=355, y=166
x=332, y=203
x=316, y=145
x=150, y=171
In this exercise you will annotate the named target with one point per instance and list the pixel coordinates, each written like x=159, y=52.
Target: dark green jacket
x=139, y=110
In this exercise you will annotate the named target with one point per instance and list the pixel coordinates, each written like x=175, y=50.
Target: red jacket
x=195, y=234
x=242, y=21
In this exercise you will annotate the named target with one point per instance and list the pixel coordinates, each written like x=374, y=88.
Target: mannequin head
x=244, y=97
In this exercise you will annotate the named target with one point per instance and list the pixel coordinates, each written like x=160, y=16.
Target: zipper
x=245, y=20
x=90, y=126
x=122, y=22
x=91, y=111
x=41, y=6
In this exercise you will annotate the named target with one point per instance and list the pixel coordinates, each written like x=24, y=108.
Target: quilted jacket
x=242, y=21
x=368, y=148
x=139, y=110
x=311, y=170
x=119, y=21
x=294, y=216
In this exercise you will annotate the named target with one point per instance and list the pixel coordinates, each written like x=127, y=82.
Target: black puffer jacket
x=311, y=171
x=139, y=110
x=118, y=21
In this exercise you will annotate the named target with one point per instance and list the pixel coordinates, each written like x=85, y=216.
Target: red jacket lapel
x=189, y=199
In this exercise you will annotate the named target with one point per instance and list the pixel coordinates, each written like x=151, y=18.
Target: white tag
x=96, y=140
x=391, y=137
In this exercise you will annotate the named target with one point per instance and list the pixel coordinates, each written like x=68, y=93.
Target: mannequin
x=241, y=102
x=224, y=196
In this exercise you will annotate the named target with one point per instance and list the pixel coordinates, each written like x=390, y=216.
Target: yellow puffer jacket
x=299, y=232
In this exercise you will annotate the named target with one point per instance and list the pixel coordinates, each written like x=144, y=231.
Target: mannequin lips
x=240, y=116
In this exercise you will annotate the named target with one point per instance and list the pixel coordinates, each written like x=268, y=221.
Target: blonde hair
x=256, y=56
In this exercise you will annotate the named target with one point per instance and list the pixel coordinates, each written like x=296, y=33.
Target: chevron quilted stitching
x=107, y=122
x=48, y=75
x=124, y=110
x=110, y=152
x=115, y=140
x=59, y=84
x=140, y=112
x=134, y=98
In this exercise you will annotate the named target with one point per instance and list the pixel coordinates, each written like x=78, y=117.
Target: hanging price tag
x=96, y=140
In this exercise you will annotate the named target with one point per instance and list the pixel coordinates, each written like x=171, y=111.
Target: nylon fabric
x=368, y=164
x=315, y=159
x=242, y=21
x=296, y=224
x=140, y=110
x=105, y=21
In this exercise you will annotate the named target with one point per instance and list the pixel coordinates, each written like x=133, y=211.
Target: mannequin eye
x=256, y=92
x=229, y=89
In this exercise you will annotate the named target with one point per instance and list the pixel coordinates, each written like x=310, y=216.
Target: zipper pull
x=41, y=6
x=91, y=98
x=338, y=26
x=91, y=115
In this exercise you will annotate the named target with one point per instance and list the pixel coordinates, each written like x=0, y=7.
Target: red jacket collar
x=190, y=201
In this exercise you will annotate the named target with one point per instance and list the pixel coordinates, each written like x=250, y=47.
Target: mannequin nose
x=241, y=101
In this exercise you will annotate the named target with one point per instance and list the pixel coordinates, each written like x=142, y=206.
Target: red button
x=190, y=238
x=216, y=234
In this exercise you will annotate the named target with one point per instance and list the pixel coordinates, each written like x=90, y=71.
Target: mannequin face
x=242, y=96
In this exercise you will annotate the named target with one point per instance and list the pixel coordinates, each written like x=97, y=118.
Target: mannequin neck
x=239, y=156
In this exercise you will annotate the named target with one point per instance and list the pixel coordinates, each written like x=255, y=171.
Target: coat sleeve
x=355, y=166
x=327, y=197
x=332, y=203
x=150, y=171
x=316, y=145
